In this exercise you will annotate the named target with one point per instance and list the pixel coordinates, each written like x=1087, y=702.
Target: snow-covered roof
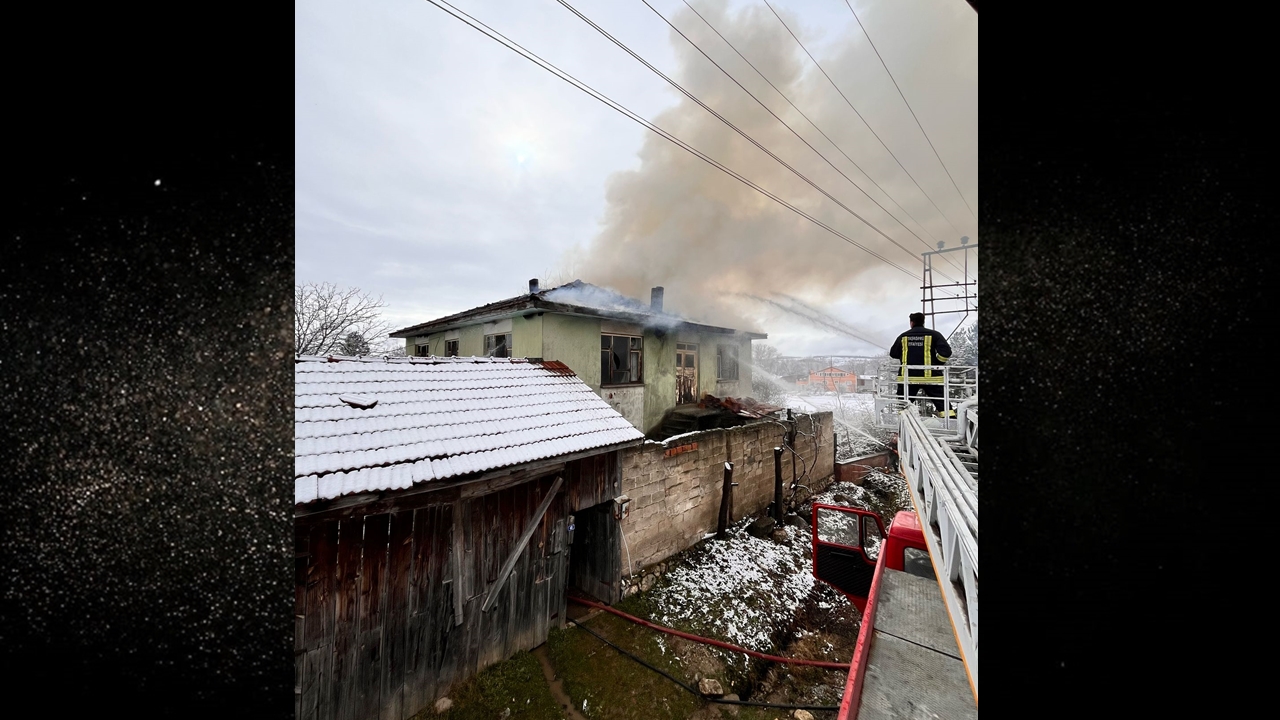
x=373, y=424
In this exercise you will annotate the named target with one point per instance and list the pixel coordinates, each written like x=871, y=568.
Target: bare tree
x=325, y=315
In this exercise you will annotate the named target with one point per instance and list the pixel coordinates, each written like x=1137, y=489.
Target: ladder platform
x=914, y=668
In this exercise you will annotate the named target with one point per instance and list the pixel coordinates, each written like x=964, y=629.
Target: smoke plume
x=708, y=239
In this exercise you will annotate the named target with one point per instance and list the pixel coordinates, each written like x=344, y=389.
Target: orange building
x=832, y=379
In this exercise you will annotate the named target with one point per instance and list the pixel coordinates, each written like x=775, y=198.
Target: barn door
x=595, y=557
x=686, y=373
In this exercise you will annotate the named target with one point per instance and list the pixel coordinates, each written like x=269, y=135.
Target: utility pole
x=965, y=301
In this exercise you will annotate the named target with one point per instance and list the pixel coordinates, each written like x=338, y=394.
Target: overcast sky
x=440, y=170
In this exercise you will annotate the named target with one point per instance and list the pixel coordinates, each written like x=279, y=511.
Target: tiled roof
x=576, y=297
x=436, y=418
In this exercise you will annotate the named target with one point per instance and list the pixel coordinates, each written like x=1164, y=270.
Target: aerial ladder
x=916, y=583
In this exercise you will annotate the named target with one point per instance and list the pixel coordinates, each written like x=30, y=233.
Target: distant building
x=831, y=379
x=641, y=360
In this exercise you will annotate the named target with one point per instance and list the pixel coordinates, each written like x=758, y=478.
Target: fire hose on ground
x=694, y=691
x=708, y=641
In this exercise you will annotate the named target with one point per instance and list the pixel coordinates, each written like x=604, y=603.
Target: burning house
x=436, y=506
x=643, y=361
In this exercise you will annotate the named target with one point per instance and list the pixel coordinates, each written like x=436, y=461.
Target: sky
x=440, y=171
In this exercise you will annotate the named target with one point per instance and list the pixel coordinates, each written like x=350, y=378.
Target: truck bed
x=914, y=670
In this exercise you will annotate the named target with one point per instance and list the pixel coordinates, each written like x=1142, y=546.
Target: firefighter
x=921, y=346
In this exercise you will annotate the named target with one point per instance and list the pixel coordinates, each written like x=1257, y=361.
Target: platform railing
x=945, y=494
x=955, y=384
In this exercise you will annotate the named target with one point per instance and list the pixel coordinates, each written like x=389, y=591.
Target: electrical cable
x=864, y=120
x=793, y=132
x=722, y=701
x=913, y=112
x=815, y=127
x=827, y=664
x=506, y=42
x=726, y=121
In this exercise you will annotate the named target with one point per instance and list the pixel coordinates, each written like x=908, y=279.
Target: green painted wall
x=526, y=336
x=659, y=377
x=471, y=341
x=574, y=341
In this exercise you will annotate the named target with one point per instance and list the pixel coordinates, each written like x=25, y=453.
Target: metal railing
x=955, y=384
x=945, y=494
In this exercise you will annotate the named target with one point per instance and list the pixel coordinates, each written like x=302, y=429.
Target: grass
x=613, y=686
x=516, y=684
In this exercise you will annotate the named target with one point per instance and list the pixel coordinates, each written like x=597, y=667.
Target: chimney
x=655, y=300
x=533, y=286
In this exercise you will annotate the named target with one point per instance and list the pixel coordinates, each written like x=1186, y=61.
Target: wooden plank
x=492, y=596
x=373, y=567
x=395, y=623
x=417, y=631
x=500, y=483
x=448, y=639
x=472, y=622
x=387, y=501
x=456, y=561
x=322, y=541
x=346, y=601
x=301, y=556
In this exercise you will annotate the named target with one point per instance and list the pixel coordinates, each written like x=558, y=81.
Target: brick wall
x=675, y=487
x=854, y=470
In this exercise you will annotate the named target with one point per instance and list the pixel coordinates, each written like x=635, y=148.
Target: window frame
x=506, y=345
x=635, y=348
x=451, y=348
x=720, y=355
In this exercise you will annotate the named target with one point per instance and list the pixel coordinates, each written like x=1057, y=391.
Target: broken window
x=620, y=362
x=451, y=348
x=497, y=345
x=727, y=362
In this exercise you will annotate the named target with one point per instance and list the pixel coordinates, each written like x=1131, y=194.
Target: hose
x=722, y=701
x=709, y=641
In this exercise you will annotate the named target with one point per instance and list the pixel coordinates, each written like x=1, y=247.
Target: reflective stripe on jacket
x=921, y=346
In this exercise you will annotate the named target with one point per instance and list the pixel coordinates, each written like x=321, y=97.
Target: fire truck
x=915, y=582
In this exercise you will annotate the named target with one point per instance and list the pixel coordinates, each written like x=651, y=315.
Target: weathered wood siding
x=376, y=633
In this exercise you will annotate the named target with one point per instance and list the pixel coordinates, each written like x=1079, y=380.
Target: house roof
x=575, y=298
x=832, y=369
x=364, y=424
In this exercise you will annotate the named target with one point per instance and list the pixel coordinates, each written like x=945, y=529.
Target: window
x=422, y=350
x=917, y=562
x=497, y=345
x=620, y=360
x=451, y=348
x=727, y=362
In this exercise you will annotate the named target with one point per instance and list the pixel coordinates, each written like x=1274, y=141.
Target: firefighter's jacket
x=921, y=346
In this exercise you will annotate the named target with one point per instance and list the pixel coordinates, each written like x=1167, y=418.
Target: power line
x=811, y=122
x=528, y=55
x=913, y=112
x=726, y=73
x=726, y=121
x=864, y=120
x=793, y=132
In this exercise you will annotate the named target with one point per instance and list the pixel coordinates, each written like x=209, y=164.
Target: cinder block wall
x=675, y=487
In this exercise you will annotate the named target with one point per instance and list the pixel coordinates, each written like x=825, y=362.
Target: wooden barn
x=444, y=506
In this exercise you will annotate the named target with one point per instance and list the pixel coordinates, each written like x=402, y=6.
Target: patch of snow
x=741, y=590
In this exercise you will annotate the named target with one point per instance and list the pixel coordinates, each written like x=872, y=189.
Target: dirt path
x=556, y=685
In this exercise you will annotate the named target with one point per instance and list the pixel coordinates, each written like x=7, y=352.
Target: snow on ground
x=848, y=402
x=854, y=415
x=741, y=590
